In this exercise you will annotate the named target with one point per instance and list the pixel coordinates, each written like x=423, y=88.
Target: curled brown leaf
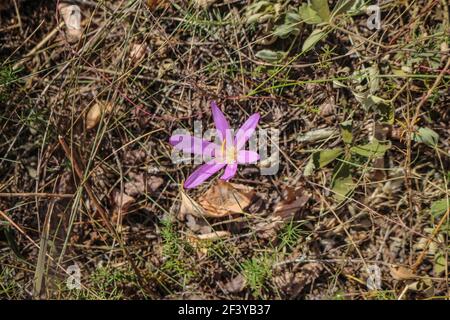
x=95, y=113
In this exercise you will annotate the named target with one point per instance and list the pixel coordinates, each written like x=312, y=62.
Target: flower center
x=227, y=153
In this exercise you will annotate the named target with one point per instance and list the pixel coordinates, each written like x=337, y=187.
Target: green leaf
x=313, y=38
x=343, y=183
x=348, y=6
x=440, y=264
x=293, y=17
x=320, y=159
x=291, y=25
x=270, y=56
x=342, y=6
x=439, y=207
x=346, y=132
x=381, y=106
x=309, y=15
x=386, y=112
x=374, y=149
x=322, y=9
x=285, y=30
x=427, y=136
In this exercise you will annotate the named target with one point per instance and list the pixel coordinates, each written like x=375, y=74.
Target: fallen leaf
x=136, y=184
x=212, y=236
x=318, y=135
x=154, y=182
x=423, y=286
x=285, y=210
x=402, y=273
x=154, y=4
x=140, y=183
x=200, y=242
x=235, y=285
x=328, y=108
x=123, y=201
x=137, y=52
x=71, y=15
x=291, y=205
x=95, y=113
x=189, y=206
x=225, y=198
x=291, y=283
x=198, y=225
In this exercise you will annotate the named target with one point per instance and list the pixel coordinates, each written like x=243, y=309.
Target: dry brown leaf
x=225, y=198
x=156, y=4
x=216, y=235
x=137, y=52
x=198, y=225
x=291, y=205
x=328, y=108
x=95, y=113
x=402, y=273
x=154, y=182
x=189, y=206
x=235, y=285
x=123, y=201
x=424, y=286
x=293, y=202
x=139, y=184
x=199, y=241
x=71, y=15
x=291, y=283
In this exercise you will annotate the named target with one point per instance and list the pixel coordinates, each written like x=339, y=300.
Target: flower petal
x=220, y=121
x=202, y=173
x=190, y=144
x=230, y=171
x=245, y=132
x=246, y=156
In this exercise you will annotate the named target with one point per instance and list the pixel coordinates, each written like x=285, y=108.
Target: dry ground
x=98, y=189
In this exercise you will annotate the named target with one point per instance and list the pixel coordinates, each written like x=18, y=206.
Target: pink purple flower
x=227, y=155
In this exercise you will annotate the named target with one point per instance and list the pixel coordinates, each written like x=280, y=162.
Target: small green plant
x=349, y=156
x=7, y=77
x=385, y=295
x=314, y=12
x=338, y=296
x=173, y=250
x=9, y=288
x=108, y=282
x=257, y=271
x=290, y=235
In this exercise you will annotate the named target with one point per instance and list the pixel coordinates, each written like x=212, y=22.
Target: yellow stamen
x=222, y=149
x=227, y=154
